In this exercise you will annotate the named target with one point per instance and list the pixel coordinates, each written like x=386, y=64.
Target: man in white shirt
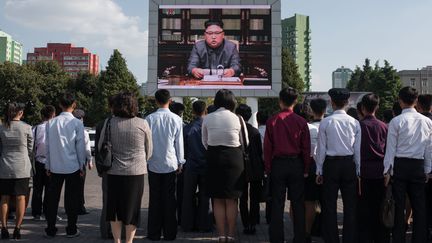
x=40, y=178
x=338, y=165
x=408, y=159
x=167, y=160
x=66, y=159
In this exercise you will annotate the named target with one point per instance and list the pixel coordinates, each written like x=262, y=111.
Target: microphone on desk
x=210, y=60
x=220, y=67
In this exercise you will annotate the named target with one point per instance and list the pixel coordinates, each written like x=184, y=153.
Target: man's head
x=48, y=112
x=199, y=108
x=162, y=97
x=79, y=114
x=67, y=102
x=214, y=33
x=244, y=111
x=424, y=103
x=177, y=108
x=370, y=103
x=339, y=97
x=303, y=110
x=407, y=97
x=319, y=107
x=287, y=98
x=262, y=118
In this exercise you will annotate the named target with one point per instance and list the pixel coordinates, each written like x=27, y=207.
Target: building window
x=424, y=83
x=413, y=83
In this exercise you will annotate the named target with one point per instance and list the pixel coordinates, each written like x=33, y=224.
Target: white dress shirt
x=40, y=143
x=222, y=128
x=261, y=130
x=339, y=135
x=167, y=136
x=87, y=147
x=313, y=131
x=409, y=136
x=66, y=146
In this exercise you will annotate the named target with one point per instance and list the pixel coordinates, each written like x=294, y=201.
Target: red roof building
x=72, y=59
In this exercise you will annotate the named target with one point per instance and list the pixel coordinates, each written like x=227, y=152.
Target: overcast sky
x=344, y=32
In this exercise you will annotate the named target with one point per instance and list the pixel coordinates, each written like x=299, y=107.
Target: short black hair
x=408, y=95
x=387, y=115
x=67, y=100
x=226, y=99
x=214, y=22
x=353, y=113
x=199, y=107
x=359, y=108
x=125, y=105
x=244, y=111
x=47, y=111
x=262, y=117
x=303, y=110
x=340, y=103
x=162, y=96
x=318, y=106
x=370, y=102
x=425, y=101
x=177, y=108
x=396, y=109
x=288, y=96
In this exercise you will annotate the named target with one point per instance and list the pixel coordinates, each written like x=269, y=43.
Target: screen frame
x=276, y=49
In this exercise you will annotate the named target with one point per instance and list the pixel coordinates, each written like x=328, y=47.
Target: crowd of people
x=202, y=173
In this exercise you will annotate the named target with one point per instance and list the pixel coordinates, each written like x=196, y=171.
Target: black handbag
x=246, y=159
x=265, y=192
x=388, y=209
x=104, y=155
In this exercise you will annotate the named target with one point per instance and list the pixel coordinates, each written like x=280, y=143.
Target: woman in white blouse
x=221, y=135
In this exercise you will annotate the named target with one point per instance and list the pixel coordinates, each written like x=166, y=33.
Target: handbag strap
x=105, y=132
x=242, y=135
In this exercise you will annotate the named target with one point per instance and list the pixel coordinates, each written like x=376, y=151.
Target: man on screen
x=213, y=52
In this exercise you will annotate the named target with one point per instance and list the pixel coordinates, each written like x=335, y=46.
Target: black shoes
x=4, y=233
x=17, y=233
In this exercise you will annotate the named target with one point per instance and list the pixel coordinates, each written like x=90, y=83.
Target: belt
x=346, y=157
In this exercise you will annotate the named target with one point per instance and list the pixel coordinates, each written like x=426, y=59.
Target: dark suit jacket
x=255, y=153
x=226, y=55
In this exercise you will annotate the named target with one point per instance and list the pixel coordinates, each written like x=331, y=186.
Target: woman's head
x=226, y=99
x=125, y=105
x=13, y=111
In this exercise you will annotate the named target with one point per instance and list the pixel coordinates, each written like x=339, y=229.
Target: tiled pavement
x=89, y=224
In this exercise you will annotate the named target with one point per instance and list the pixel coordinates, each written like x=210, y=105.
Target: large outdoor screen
x=214, y=46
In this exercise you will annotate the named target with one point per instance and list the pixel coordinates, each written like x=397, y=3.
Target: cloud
x=101, y=22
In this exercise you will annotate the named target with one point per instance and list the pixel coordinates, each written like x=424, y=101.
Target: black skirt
x=225, y=172
x=14, y=187
x=124, y=194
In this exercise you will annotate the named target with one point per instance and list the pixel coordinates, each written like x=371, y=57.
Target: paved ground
x=89, y=224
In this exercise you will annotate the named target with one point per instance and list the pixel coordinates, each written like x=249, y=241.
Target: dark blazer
x=226, y=55
x=255, y=154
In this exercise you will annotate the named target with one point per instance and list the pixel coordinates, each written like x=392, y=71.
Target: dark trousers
x=371, y=230
x=40, y=182
x=249, y=203
x=179, y=194
x=428, y=193
x=409, y=178
x=104, y=225
x=287, y=173
x=196, y=213
x=162, y=206
x=82, y=199
x=71, y=200
x=339, y=174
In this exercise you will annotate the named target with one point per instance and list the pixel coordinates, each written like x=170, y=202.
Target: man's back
x=194, y=149
x=66, y=146
x=167, y=135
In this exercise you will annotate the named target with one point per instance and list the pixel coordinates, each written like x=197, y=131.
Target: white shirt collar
x=409, y=110
x=342, y=111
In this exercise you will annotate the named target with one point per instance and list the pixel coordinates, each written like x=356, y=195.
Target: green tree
x=290, y=73
x=114, y=79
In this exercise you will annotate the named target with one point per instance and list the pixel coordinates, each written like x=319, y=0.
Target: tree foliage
x=290, y=78
x=383, y=81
